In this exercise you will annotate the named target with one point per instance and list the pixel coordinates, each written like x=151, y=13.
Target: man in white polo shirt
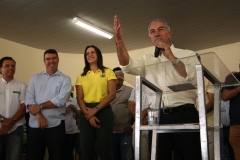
x=12, y=109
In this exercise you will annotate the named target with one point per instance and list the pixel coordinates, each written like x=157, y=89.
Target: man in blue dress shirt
x=46, y=97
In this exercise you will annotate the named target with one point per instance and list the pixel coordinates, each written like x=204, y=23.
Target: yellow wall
x=30, y=60
x=229, y=54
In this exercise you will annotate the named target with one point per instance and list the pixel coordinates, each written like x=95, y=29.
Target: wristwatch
x=176, y=62
x=40, y=106
x=1, y=119
x=97, y=108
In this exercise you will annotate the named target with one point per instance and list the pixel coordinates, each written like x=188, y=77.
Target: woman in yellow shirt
x=96, y=88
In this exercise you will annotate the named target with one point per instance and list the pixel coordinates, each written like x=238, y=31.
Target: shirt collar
x=93, y=72
x=5, y=82
x=57, y=73
x=120, y=89
x=172, y=47
x=70, y=98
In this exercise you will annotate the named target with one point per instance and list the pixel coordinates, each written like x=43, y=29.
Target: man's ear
x=170, y=35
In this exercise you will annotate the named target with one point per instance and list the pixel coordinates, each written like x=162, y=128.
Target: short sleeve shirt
x=145, y=103
x=12, y=95
x=95, y=85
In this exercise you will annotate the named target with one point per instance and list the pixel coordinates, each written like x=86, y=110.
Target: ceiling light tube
x=92, y=28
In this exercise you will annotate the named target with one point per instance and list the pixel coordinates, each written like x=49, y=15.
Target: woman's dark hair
x=99, y=60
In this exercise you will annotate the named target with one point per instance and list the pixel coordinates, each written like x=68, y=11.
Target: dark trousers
x=103, y=136
x=225, y=146
x=186, y=144
x=52, y=138
x=3, y=152
x=122, y=148
x=70, y=142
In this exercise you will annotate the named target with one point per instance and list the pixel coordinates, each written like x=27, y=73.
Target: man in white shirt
x=178, y=106
x=12, y=109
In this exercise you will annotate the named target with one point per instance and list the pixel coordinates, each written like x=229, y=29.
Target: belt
x=91, y=105
x=169, y=110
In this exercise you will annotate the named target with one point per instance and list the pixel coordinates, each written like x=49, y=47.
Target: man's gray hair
x=159, y=20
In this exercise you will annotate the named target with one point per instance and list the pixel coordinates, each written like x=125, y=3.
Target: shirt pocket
x=57, y=88
x=16, y=95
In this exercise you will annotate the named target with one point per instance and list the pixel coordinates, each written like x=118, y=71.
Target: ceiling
x=45, y=24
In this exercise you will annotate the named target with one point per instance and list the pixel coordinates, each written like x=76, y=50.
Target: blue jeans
x=122, y=148
x=52, y=138
x=13, y=143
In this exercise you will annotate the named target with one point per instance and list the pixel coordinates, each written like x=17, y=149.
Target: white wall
x=30, y=60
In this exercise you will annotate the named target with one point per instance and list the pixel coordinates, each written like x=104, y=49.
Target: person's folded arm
x=61, y=99
x=228, y=94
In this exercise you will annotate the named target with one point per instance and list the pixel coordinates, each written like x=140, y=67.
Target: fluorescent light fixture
x=92, y=28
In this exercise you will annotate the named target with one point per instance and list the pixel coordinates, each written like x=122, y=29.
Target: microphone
x=157, y=50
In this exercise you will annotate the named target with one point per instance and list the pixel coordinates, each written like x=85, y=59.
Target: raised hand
x=117, y=30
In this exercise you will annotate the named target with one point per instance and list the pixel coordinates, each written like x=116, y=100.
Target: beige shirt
x=12, y=94
x=122, y=116
x=162, y=73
